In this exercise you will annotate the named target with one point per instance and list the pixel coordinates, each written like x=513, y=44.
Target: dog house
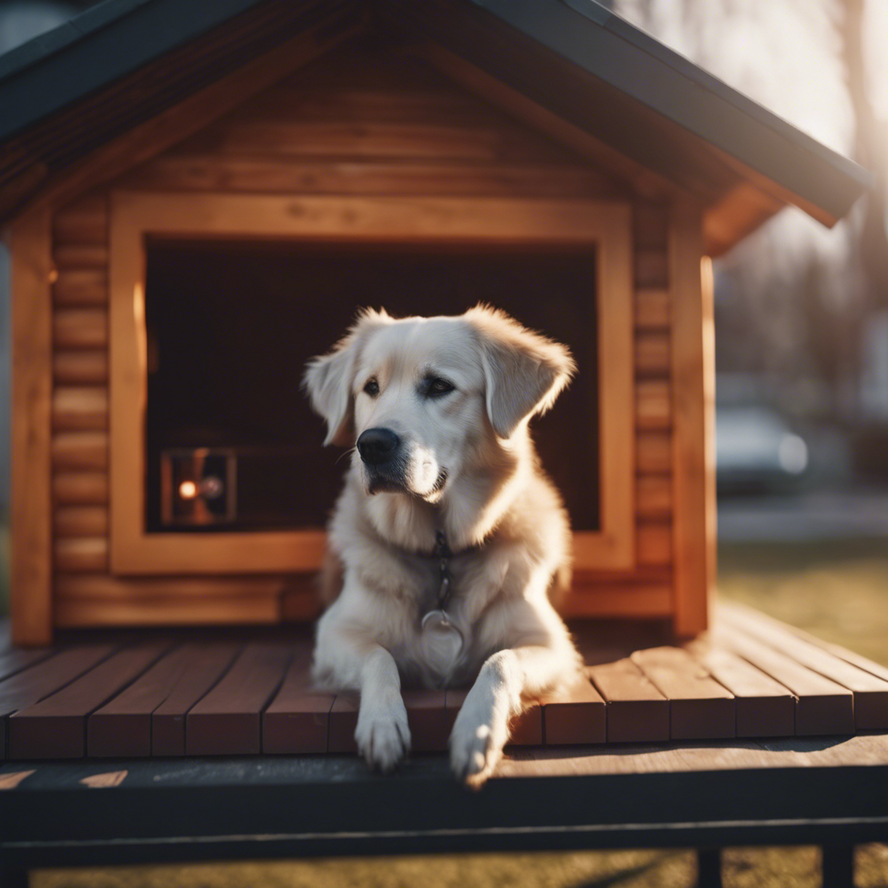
x=198, y=203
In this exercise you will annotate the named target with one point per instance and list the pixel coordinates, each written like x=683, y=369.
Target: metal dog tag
x=442, y=642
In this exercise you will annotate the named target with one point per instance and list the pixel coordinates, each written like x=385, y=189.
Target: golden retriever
x=448, y=542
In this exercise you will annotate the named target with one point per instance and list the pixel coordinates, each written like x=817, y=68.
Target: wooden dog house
x=198, y=203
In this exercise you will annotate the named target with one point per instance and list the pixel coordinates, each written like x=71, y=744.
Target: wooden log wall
x=350, y=125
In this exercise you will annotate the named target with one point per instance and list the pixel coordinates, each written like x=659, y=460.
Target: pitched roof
x=122, y=62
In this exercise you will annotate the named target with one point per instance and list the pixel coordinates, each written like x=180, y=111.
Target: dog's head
x=422, y=398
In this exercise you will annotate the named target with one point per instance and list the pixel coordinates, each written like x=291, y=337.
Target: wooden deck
x=199, y=693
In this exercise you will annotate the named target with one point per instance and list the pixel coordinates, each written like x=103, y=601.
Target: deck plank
x=342, y=723
x=822, y=706
x=31, y=685
x=122, y=727
x=870, y=691
x=699, y=707
x=227, y=721
x=56, y=726
x=205, y=666
x=636, y=710
x=17, y=659
x=427, y=720
x=525, y=729
x=297, y=718
x=764, y=707
x=578, y=715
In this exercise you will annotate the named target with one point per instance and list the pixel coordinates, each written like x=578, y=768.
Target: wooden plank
x=652, y=309
x=31, y=499
x=72, y=451
x=653, y=452
x=693, y=380
x=275, y=175
x=578, y=715
x=653, y=404
x=239, y=610
x=78, y=368
x=81, y=286
x=822, y=707
x=80, y=257
x=123, y=726
x=81, y=554
x=653, y=543
x=227, y=721
x=80, y=521
x=296, y=720
x=653, y=496
x=650, y=225
x=17, y=659
x=203, y=664
x=651, y=268
x=427, y=720
x=80, y=488
x=870, y=692
x=82, y=408
x=636, y=710
x=83, y=221
x=652, y=354
x=80, y=328
x=765, y=708
x=343, y=721
x=699, y=707
x=617, y=599
x=55, y=727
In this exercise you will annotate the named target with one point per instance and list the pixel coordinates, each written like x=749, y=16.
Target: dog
x=448, y=544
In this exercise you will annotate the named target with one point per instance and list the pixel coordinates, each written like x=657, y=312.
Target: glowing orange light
x=188, y=490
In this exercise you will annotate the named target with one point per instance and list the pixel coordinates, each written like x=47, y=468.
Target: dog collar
x=443, y=554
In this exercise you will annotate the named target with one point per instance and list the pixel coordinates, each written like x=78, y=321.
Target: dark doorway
x=231, y=325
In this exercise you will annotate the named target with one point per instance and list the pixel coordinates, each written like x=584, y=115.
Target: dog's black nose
x=376, y=446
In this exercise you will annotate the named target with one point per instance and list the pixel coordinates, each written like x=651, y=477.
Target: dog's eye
x=436, y=386
x=371, y=387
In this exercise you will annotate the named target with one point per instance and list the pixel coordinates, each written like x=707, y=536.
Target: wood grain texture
x=80, y=408
x=693, y=379
x=56, y=726
x=79, y=286
x=81, y=554
x=197, y=668
x=296, y=720
x=576, y=716
x=81, y=367
x=764, y=707
x=174, y=610
x=699, y=707
x=31, y=499
x=73, y=451
x=80, y=521
x=636, y=710
x=124, y=725
x=870, y=691
x=227, y=721
x=80, y=488
x=82, y=221
x=80, y=328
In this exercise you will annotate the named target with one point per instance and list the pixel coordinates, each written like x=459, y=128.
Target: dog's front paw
x=476, y=746
x=382, y=735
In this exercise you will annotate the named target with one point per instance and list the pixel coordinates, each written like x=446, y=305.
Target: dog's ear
x=523, y=372
x=328, y=379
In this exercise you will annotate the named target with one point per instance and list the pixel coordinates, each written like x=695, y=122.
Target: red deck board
x=16, y=660
x=227, y=721
x=699, y=707
x=524, y=730
x=636, y=710
x=297, y=718
x=342, y=723
x=206, y=664
x=870, y=691
x=31, y=685
x=427, y=720
x=576, y=716
x=122, y=727
x=765, y=708
x=56, y=726
x=822, y=706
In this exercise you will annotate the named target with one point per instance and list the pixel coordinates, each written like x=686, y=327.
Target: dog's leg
x=507, y=680
x=382, y=734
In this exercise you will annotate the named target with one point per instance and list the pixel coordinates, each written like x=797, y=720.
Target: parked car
x=757, y=451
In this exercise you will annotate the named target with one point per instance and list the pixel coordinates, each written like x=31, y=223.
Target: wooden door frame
x=604, y=226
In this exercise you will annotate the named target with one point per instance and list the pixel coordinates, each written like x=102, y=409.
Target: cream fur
x=500, y=513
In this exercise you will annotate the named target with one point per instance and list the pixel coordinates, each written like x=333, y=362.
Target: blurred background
x=801, y=354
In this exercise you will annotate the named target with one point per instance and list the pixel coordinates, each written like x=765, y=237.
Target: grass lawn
x=837, y=590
